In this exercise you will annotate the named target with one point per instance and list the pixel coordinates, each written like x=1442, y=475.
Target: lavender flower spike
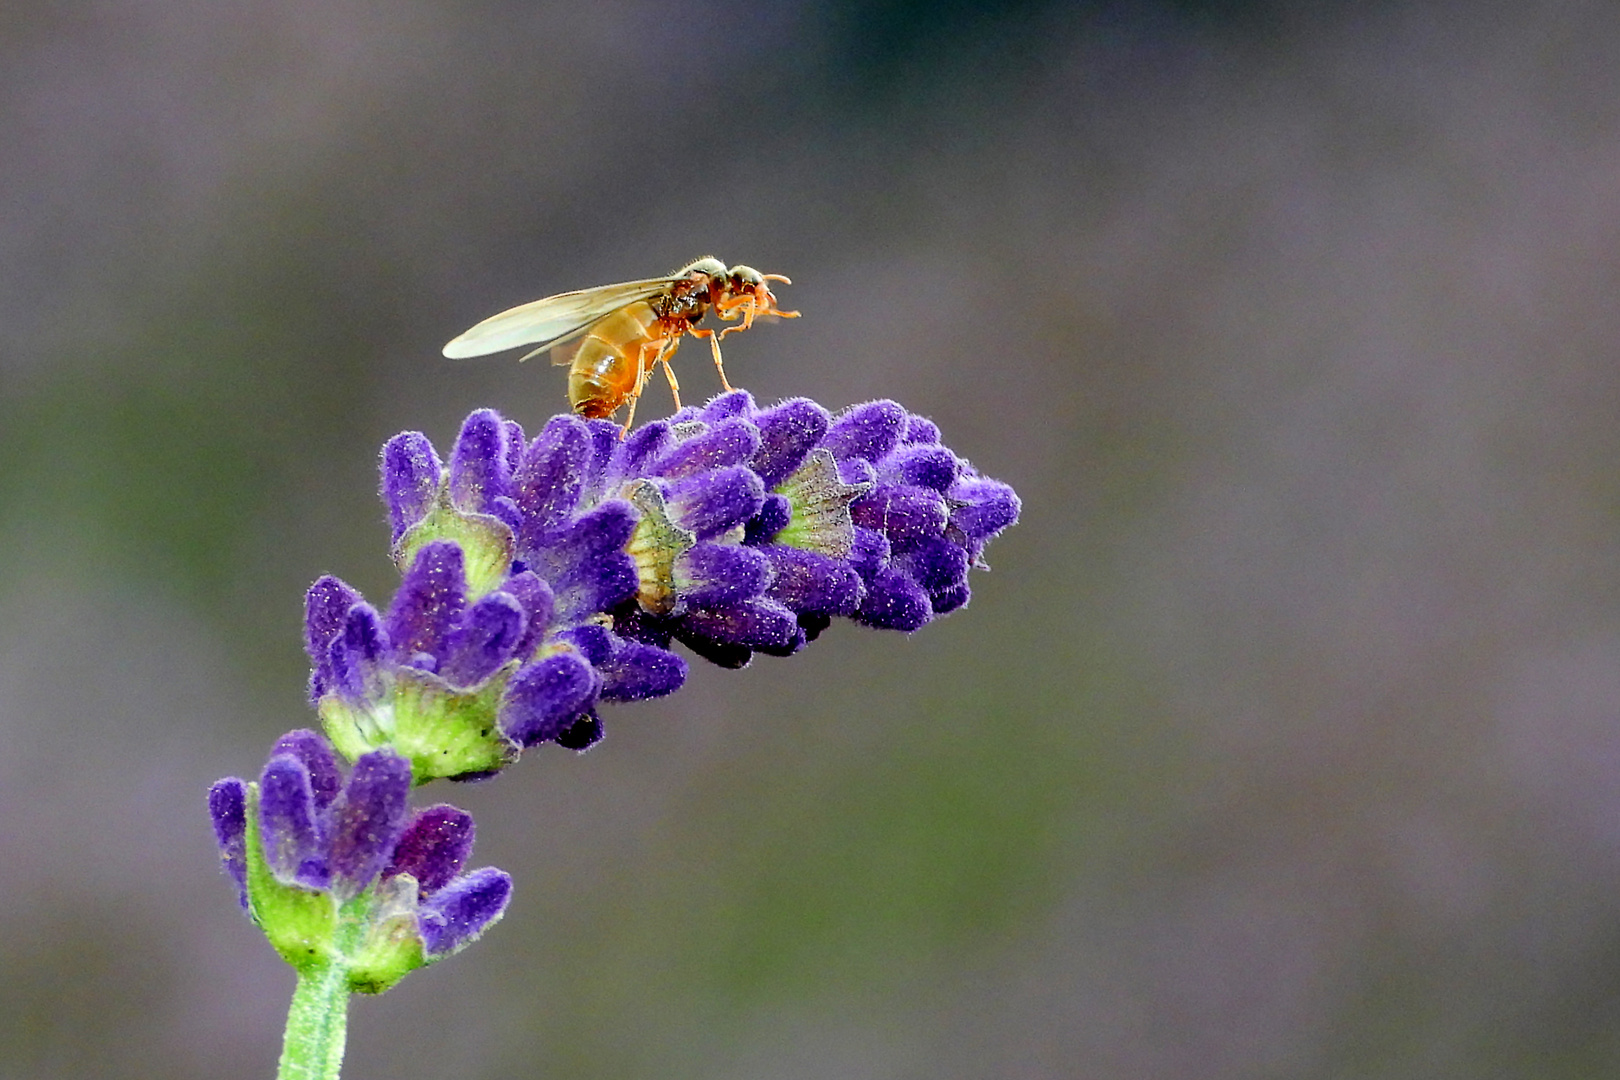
x=543, y=578
x=338, y=871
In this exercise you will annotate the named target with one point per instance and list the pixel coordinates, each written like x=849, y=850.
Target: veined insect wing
x=552, y=320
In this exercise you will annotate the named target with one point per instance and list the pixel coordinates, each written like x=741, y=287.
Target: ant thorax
x=686, y=301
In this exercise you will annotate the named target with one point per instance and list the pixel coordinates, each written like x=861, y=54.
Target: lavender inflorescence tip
x=545, y=576
x=310, y=832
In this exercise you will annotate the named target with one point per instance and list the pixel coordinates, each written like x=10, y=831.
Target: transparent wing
x=548, y=322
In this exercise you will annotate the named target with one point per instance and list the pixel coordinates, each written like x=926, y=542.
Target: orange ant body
x=611, y=337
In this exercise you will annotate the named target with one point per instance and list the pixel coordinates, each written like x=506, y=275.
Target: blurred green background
x=1283, y=740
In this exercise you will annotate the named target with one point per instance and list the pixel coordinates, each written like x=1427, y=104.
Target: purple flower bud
x=920, y=429
x=936, y=565
x=537, y=600
x=293, y=845
x=549, y=481
x=325, y=778
x=731, y=403
x=869, y=553
x=457, y=914
x=761, y=625
x=930, y=466
x=429, y=602
x=716, y=501
x=434, y=847
x=903, y=514
x=410, y=479
x=367, y=820
x=480, y=468
x=630, y=670
x=788, y=432
x=894, y=602
x=545, y=697
x=809, y=581
x=867, y=431
x=487, y=638
x=227, y=805
x=637, y=452
x=326, y=609
x=585, y=563
x=983, y=509
x=774, y=515
x=729, y=442
x=712, y=575
x=356, y=654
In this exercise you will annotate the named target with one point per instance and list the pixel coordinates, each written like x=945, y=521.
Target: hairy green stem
x=316, y=1024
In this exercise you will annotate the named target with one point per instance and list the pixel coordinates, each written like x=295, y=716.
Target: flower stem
x=317, y=1022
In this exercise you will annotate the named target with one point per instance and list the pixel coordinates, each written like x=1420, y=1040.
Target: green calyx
x=654, y=546
x=487, y=543
x=372, y=939
x=442, y=732
x=820, y=500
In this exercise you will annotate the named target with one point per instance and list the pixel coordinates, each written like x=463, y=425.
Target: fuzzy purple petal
x=434, y=847
x=936, y=565
x=711, y=575
x=454, y=916
x=774, y=514
x=809, y=581
x=716, y=501
x=545, y=697
x=788, y=432
x=367, y=820
x=762, y=625
x=515, y=444
x=921, y=430
x=287, y=823
x=606, y=436
x=869, y=553
x=866, y=431
x=538, y=602
x=326, y=608
x=479, y=467
x=488, y=637
x=630, y=670
x=430, y=600
x=984, y=508
x=551, y=478
x=857, y=472
x=932, y=467
x=586, y=565
x=355, y=654
x=325, y=778
x=729, y=442
x=227, y=806
x=641, y=672
x=950, y=599
x=903, y=514
x=507, y=512
x=410, y=479
x=894, y=602
x=726, y=405
x=639, y=450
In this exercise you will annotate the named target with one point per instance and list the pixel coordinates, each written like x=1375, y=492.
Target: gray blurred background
x=1283, y=740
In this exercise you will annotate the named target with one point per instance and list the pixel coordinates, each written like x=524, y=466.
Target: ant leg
x=714, y=344
x=628, y=420
x=674, y=384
